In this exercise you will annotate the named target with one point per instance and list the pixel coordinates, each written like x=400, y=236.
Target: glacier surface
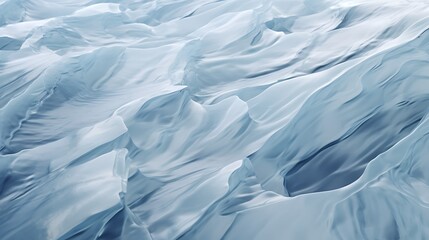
x=214, y=119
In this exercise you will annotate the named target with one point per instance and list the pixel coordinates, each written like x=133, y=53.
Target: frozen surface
x=228, y=119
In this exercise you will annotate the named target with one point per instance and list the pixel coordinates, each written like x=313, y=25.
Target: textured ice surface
x=186, y=119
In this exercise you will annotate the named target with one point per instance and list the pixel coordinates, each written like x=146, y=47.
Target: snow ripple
x=269, y=119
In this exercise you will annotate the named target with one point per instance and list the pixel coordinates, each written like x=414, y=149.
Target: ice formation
x=214, y=119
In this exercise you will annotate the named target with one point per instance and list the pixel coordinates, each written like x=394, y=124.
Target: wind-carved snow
x=263, y=119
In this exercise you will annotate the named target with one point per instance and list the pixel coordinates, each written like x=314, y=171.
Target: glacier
x=214, y=119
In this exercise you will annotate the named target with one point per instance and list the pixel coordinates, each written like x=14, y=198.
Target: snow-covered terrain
x=214, y=119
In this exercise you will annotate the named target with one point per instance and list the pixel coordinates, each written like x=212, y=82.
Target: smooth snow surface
x=205, y=119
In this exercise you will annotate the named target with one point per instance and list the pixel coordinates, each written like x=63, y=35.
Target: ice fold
x=273, y=119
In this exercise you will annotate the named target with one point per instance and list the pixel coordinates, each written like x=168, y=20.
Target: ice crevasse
x=214, y=119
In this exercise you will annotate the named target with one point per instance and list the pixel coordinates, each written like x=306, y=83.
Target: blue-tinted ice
x=205, y=119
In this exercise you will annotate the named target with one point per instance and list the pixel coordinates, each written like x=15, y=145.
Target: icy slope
x=183, y=119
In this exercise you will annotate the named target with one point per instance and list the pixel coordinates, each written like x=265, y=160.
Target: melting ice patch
x=179, y=119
